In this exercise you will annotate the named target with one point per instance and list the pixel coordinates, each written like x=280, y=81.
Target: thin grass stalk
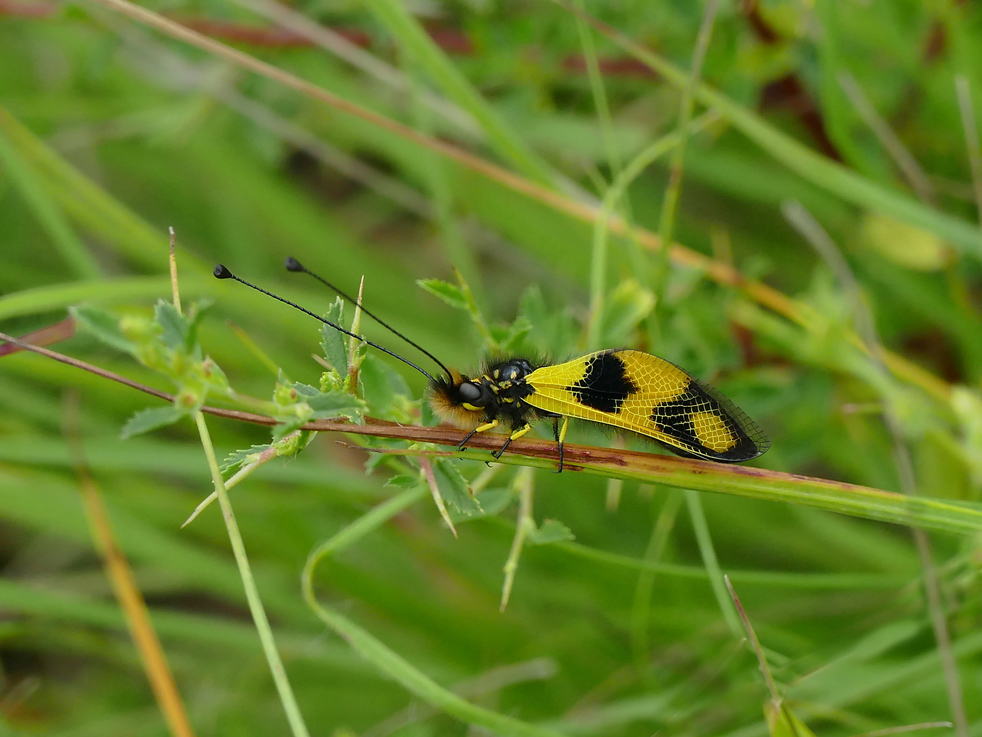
x=385, y=659
x=111, y=219
x=890, y=141
x=524, y=483
x=598, y=258
x=676, y=166
x=806, y=581
x=614, y=195
x=408, y=32
x=71, y=249
x=708, y=552
x=290, y=706
x=643, y=588
x=337, y=45
x=451, y=239
x=276, y=669
x=666, y=227
x=430, y=477
x=866, y=326
x=755, y=643
x=967, y=111
x=490, y=682
x=829, y=175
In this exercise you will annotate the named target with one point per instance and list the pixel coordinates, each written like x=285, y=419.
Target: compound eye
x=472, y=395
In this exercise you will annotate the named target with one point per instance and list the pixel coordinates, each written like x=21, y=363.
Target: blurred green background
x=111, y=132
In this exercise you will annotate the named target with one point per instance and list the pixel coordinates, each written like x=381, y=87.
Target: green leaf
x=782, y=722
x=449, y=293
x=104, y=326
x=532, y=305
x=174, y=326
x=196, y=313
x=906, y=245
x=404, y=481
x=336, y=404
x=491, y=502
x=235, y=460
x=550, y=531
x=333, y=342
x=327, y=405
x=281, y=447
x=454, y=489
x=213, y=376
x=629, y=304
x=552, y=334
x=514, y=340
x=284, y=429
x=150, y=419
x=377, y=384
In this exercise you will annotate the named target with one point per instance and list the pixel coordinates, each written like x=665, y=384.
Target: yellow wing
x=650, y=396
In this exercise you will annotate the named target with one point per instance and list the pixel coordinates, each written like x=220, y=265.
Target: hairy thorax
x=497, y=394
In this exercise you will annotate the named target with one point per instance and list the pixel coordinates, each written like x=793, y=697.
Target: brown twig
x=746, y=481
x=61, y=330
x=28, y=10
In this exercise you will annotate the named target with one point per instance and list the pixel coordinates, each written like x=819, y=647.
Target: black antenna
x=293, y=265
x=222, y=273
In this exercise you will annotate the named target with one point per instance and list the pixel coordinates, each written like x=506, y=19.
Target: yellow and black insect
x=626, y=389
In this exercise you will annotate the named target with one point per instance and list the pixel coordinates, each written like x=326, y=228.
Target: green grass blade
x=827, y=174
x=72, y=250
x=63, y=296
x=746, y=481
x=509, y=145
x=88, y=204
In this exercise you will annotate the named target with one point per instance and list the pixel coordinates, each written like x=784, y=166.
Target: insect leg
x=480, y=428
x=560, y=437
x=514, y=436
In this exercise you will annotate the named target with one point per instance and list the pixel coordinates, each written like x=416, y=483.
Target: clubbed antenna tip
x=221, y=272
x=293, y=265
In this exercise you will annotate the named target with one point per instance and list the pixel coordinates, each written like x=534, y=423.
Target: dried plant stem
x=904, y=159
x=756, y=483
x=674, y=189
x=127, y=592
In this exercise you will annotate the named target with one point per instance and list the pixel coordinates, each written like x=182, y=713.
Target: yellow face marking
x=470, y=407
